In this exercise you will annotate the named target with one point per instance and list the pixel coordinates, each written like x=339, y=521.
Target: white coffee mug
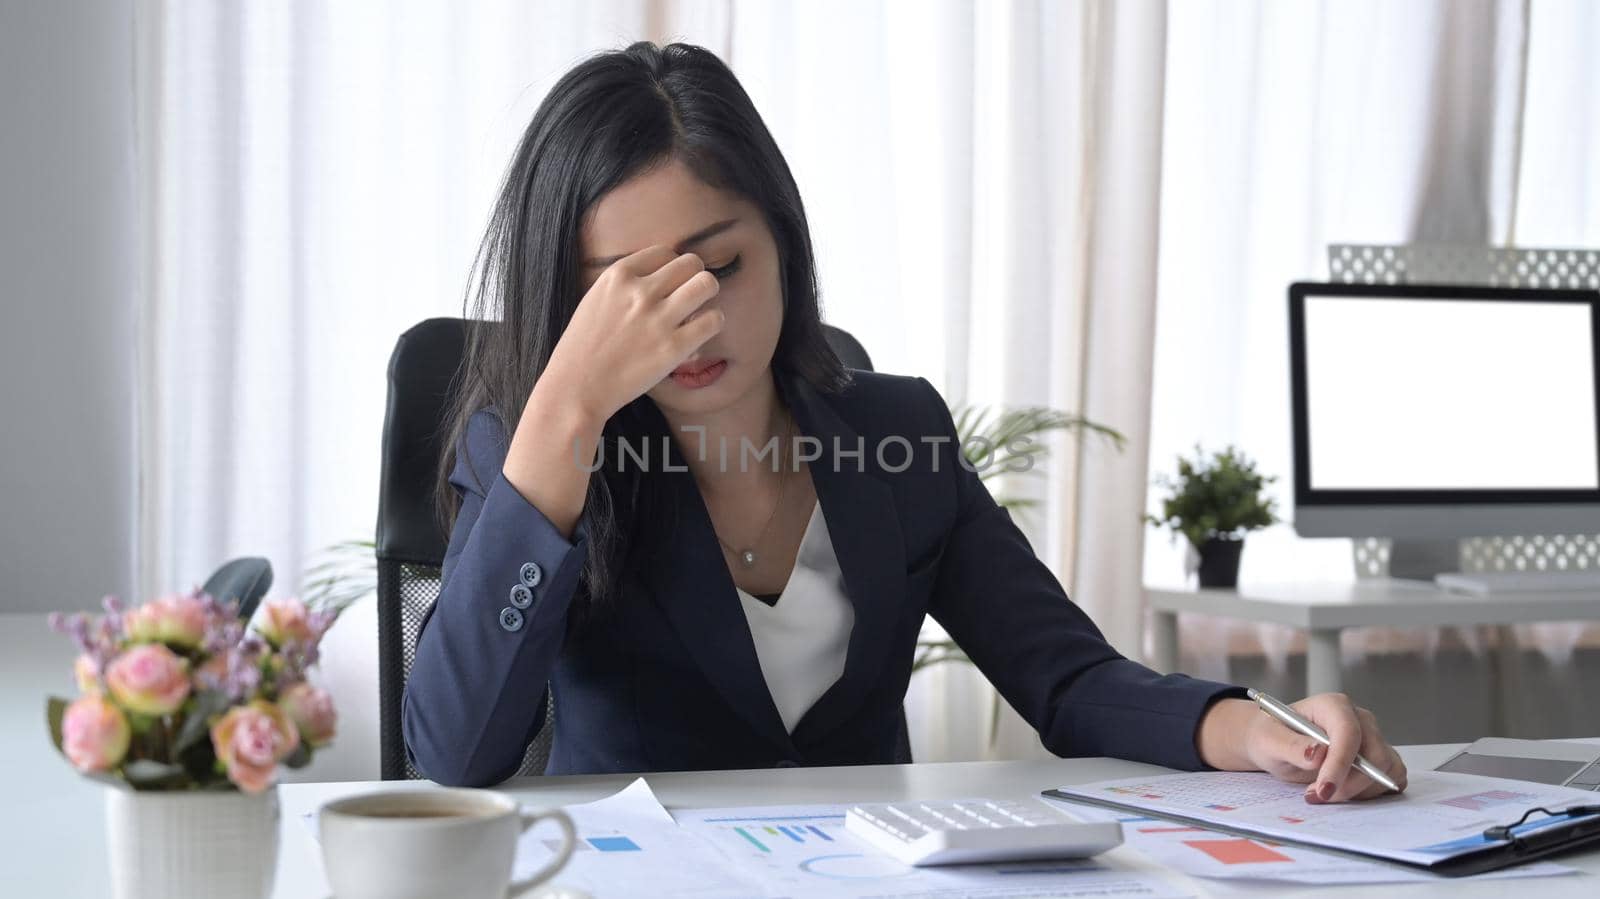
x=423, y=843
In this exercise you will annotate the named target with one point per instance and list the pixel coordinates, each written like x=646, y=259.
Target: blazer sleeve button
x=521, y=597
x=511, y=620
x=531, y=574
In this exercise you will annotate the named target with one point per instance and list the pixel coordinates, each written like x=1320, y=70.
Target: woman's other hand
x=1235, y=735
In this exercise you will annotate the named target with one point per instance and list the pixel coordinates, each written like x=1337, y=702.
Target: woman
x=671, y=505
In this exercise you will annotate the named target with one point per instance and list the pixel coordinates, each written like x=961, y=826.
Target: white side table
x=1325, y=610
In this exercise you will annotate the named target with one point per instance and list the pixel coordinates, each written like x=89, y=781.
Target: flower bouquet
x=188, y=712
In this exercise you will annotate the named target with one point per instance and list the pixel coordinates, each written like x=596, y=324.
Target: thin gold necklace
x=747, y=556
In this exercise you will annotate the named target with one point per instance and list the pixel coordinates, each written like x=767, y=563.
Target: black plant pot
x=1219, y=562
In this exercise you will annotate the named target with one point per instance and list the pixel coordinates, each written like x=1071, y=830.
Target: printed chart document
x=628, y=845
x=1440, y=816
x=804, y=851
x=1199, y=852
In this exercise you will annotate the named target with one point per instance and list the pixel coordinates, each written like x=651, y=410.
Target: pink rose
x=94, y=734
x=250, y=740
x=312, y=712
x=284, y=620
x=149, y=679
x=178, y=620
x=86, y=673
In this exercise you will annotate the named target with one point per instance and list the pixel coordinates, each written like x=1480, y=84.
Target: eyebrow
x=704, y=234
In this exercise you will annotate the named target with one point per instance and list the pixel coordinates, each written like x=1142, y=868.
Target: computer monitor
x=1428, y=413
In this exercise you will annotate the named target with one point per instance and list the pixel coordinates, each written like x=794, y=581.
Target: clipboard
x=1535, y=839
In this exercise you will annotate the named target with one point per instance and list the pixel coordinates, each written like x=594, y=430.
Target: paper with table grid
x=1440, y=815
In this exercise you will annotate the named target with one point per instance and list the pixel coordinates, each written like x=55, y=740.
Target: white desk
x=1326, y=610
x=52, y=827
x=55, y=847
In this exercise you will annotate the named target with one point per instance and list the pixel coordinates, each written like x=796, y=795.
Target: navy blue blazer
x=672, y=681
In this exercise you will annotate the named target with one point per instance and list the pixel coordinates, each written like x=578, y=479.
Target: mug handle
x=569, y=841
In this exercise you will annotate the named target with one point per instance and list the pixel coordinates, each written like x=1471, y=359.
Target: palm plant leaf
x=347, y=572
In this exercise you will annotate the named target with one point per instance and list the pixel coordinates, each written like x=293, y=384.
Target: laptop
x=1541, y=761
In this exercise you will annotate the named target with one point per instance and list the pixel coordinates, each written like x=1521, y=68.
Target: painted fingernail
x=1311, y=751
x=1325, y=792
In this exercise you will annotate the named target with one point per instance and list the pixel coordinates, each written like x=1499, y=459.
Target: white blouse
x=801, y=640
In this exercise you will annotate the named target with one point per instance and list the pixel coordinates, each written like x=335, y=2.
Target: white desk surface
x=54, y=842
x=1375, y=602
x=52, y=828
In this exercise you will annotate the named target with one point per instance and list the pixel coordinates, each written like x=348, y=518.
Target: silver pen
x=1297, y=722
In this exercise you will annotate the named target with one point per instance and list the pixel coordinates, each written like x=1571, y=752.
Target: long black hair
x=615, y=115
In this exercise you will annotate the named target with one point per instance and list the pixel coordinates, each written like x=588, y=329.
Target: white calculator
x=978, y=830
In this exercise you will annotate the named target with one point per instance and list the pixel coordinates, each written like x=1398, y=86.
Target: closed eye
x=726, y=270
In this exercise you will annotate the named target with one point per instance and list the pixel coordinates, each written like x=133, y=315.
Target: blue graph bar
x=839, y=818
x=814, y=829
x=791, y=834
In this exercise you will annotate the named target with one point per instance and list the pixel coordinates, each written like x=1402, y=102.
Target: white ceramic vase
x=191, y=845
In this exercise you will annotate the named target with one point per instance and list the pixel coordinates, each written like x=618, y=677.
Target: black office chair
x=410, y=545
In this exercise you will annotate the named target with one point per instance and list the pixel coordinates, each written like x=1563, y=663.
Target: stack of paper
x=631, y=846
x=1440, y=816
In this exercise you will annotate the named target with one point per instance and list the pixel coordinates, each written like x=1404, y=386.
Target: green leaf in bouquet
x=197, y=724
x=56, y=709
x=148, y=774
x=243, y=580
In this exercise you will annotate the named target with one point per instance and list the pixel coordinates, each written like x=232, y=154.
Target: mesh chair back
x=412, y=590
x=410, y=545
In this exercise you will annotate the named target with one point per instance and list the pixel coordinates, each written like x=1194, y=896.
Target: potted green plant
x=1213, y=503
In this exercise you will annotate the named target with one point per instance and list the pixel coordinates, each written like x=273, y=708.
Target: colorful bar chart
x=1237, y=852
x=799, y=833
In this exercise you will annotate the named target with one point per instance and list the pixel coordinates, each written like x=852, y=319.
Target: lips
x=699, y=374
x=694, y=369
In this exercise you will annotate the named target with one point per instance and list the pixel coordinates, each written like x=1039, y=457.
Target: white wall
x=67, y=275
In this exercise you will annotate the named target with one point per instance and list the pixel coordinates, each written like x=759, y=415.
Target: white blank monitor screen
x=1418, y=394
